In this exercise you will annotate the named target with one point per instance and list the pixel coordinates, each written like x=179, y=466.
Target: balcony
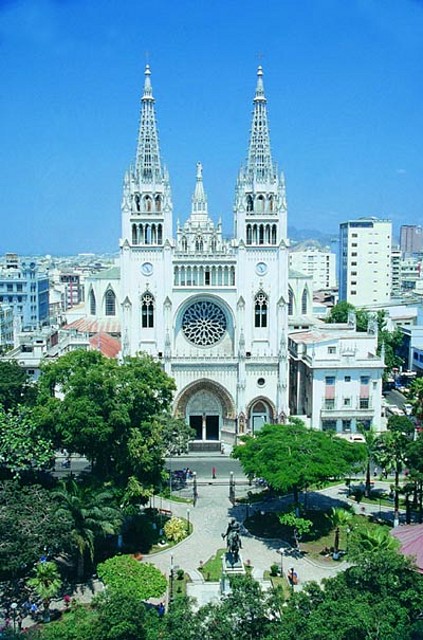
x=336, y=407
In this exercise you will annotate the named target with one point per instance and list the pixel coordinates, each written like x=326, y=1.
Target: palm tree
x=340, y=519
x=93, y=515
x=46, y=583
x=374, y=540
x=371, y=444
x=416, y=397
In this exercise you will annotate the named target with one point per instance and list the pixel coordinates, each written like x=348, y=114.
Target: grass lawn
x=317, y=541
x=212, y=569
x=279, y=582
x=180, y=587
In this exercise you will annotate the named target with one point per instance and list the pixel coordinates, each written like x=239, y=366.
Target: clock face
x=261, y=268
x=147, y=269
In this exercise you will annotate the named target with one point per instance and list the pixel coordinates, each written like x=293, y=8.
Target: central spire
x=259, y=163
x=199, y=209
x=148, y=153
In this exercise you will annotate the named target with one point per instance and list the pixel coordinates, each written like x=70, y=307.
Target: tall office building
x=411, y=238
x=25, y=288
x=214, y=311
x=315, y=262
x=365, y=268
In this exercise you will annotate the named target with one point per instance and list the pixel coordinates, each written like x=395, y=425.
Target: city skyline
x=343, y=83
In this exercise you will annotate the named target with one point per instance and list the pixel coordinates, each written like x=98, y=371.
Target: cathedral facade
x=213, y=311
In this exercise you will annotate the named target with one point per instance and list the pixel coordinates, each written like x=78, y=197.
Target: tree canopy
x=392, y=340
x=107, y=411
x=29, y=522
x=292, y=457
x=381, y=597
x=21, y=447
x=15, y=387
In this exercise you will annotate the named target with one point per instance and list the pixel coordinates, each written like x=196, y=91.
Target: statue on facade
x=233, y=539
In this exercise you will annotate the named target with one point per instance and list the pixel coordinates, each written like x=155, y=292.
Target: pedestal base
x=232, y=565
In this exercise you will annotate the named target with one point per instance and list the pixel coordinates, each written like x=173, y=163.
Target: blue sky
x=344, y=82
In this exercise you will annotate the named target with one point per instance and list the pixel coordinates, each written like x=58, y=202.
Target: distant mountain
x=300, y=235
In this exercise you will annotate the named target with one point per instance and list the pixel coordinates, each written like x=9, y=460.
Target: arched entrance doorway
x=204, y=414
x=207, y=407
x=261, y=412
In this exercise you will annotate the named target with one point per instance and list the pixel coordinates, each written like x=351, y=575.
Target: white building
x=214, y=311
x=315, y=262
x=336, y=378
x=365, y=275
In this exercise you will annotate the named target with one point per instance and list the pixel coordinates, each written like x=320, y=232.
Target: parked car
x=408, y=409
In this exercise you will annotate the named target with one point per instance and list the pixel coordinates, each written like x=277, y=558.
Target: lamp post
x=194, y=487
x=281, y=552
x=171, y=578
x=14, y=606
x=188, y=512
x=232, y=487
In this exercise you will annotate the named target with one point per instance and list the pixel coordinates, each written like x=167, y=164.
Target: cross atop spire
x=148, y=153
x=259, y=163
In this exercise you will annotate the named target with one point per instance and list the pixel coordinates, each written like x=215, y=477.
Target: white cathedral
x=214, y=311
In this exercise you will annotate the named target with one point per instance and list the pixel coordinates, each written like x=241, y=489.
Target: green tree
x=299, y=525
x=339, y=312
x=242, y=614
x=371, y=445
x=391, y=340
x=29, y=522
x=292, y=457
x=176, y=435
x=109, y=412
x=392, y=448
x=46, y=584
x=93, y=515
x=414, y=460
x=416, y=397
x=340, y=519
x=15, y=387
x=370, y=541
x=21, y=447
x=127, y=575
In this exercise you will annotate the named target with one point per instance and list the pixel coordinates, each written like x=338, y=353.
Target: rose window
x=204, y=323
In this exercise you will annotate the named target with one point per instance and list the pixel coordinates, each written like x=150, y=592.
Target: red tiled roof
x=85, y=325
x=108, y=345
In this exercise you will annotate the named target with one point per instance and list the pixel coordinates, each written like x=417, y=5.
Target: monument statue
x=233, y=539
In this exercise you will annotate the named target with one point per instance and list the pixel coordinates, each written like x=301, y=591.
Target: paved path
x=210, y=517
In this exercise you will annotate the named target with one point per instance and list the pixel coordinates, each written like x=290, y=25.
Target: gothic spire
x=199, y=209
x=148, y=153
x=259, y=164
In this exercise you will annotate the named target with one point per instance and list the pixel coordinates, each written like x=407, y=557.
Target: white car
x=408, y=409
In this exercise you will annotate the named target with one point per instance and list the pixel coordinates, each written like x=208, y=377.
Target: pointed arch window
x=184, y=243
x=110, y=303
x=260, y=204
x=199, y=245
x=304, y=302
x=260, y=310
x=147, y=310
x=158, y=202
x=250, y=204
x=148, y=204
x=290, y=302
x=93, y=305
